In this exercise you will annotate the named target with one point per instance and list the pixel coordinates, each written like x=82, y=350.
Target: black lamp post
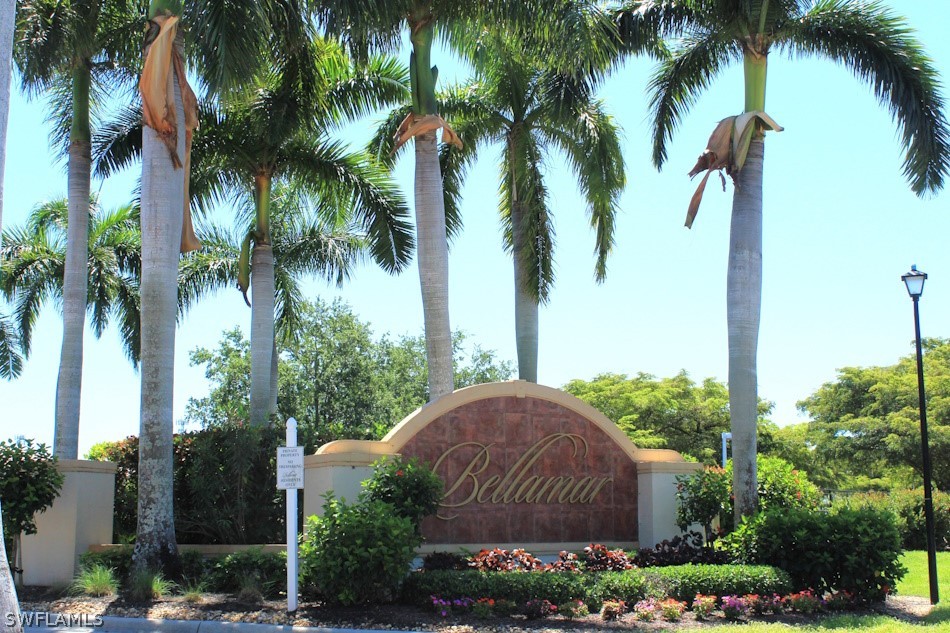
x=914, y=280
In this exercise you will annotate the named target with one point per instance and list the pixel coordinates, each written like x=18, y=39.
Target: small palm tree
x=33, y=262
x=74, y=50
x=532, y=111
x=875, y=44
x=304, y=242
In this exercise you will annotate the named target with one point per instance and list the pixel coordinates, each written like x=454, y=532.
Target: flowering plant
x=646, y=610
x=734, y=607
x=445, y=607
x=803, y=602
x=483, y=608
x=672, y=609
x=703, y=606
x=612, y=609
x=838, y=600
x=535, y=609
x=573, y=609
x=772, y=604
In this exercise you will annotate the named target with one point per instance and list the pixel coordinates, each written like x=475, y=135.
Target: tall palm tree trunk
x=272, y=407
x=744, y=303
x=7, y=22
x=163, y=195
x=433, y=261
x=9, y=604
x=75, y=284
x=262, y=332
x=526, y=304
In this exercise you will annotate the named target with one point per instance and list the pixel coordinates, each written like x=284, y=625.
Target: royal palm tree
x=33, y=260
x=226, y=38
x=304, y=241
x=74, y=49
x=867, y=38
x=533, y=112
x=7, y=24
x=379, y=24
x=279, y=127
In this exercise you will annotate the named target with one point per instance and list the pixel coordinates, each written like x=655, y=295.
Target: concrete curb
x=112, y=624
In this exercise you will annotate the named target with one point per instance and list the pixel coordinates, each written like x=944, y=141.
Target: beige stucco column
x=656, y=499
x=79, y=517
x=341, y=466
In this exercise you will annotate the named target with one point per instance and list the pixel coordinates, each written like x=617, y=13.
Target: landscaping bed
x=226, y=608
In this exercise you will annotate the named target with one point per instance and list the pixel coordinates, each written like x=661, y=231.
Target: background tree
x=33, y=259
x=72, y=51
x=337, y=379
x=673, y=413
x=866, y=422
x=534, y=111
x=877, y=46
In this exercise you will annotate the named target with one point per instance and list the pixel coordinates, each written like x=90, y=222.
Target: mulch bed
x=226, y=608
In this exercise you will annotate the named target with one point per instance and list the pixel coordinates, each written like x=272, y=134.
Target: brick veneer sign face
x=526, y=470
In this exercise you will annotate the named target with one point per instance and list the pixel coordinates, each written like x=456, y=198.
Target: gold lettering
x=515, y=485
x=491, y=483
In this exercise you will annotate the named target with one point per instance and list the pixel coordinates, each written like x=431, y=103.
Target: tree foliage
x=336, y=378
x=674, y=413
x=866, y=423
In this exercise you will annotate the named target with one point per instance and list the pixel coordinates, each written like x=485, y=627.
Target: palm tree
x=532, y=110
x=33, y=260
x=73, y=49
x=378, y=24
x=304, y=242
x=875, y=44
x=280, y=128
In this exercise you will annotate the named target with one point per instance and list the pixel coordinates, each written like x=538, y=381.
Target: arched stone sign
x=524, y=466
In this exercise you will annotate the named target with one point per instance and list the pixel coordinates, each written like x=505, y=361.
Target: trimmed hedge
x=847, y=550
x=682, y=582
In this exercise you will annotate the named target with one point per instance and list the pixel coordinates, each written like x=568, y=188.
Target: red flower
x=399, y=473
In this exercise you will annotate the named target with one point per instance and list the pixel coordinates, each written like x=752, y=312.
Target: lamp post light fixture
x=914, y=280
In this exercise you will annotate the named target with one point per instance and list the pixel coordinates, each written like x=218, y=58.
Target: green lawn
x=917, y=581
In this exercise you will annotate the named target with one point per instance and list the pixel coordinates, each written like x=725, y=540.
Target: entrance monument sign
x=524, y=466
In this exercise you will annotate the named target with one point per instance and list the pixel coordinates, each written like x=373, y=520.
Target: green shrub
x=96, y=580
x=410, y=487
x=357, y=553
x=702, y=497
x=118, y=559
x=225, y=485
x=233, y=572
x=519, y=587
x=683, y=582
x=29, y=482
x=908, y=506
x=846, y=550
x=708, y=493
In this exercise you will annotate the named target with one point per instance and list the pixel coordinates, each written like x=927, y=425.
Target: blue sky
x=840, y=227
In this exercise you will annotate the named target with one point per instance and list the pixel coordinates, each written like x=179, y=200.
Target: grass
x=856, y=623
x=917, y=580
x=146, y=586
x=97, y=580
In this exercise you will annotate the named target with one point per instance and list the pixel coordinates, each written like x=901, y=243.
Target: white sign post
x=290, y=478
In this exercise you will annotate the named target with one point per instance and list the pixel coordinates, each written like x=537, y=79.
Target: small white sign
x=289, y=467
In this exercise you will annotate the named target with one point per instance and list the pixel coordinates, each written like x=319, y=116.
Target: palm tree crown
x=876, y=45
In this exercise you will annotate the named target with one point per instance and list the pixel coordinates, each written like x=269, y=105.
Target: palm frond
x=11, y=362
x=117, y=142
x=380, y=147
x=45, y=31
x=880, y=48
x=643, y=25
x=680, y=79
x=126, y=313
x=592, y=145
x=355, y=181
x=358, y=92
x=364, y=26
x=210, y=268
